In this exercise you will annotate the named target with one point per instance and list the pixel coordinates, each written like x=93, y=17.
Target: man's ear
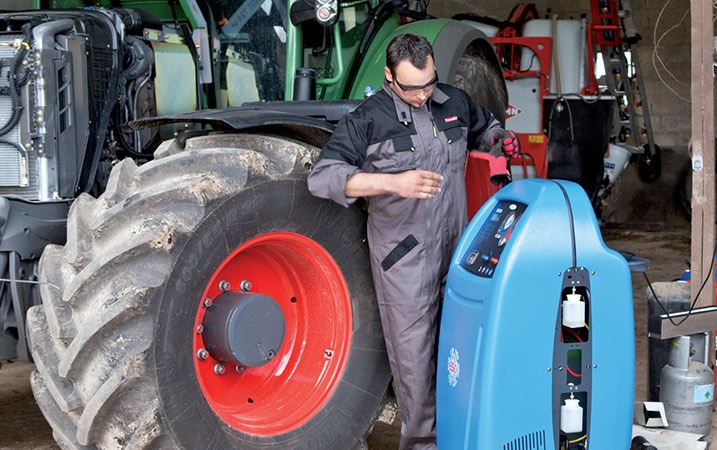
x=387, y=73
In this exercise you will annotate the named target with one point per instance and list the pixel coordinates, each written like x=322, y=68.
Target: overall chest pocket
x=456, y=141
x=397, y=155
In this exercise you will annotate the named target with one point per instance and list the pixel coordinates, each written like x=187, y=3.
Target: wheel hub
x=244, y=329
x=277, y=281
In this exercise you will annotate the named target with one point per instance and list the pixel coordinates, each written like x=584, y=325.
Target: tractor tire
x=125, y=342
x=490, y=92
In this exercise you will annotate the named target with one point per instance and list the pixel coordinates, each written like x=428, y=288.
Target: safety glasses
x=416, y=88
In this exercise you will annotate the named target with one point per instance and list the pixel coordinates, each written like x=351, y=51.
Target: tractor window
x=252, y=49
x=354, y=14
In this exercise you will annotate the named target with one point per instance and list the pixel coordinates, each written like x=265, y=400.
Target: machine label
x=454, y=367
x=536, y=138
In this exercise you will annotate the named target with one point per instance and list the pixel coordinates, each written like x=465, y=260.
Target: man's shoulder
x=380, y=101
x=377, y=108
x=454, y=93
x=448, y=88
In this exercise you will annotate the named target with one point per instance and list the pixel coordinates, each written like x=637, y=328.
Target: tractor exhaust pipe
x=305, y=84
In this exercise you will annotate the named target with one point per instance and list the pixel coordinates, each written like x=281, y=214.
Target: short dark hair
x=408, y=47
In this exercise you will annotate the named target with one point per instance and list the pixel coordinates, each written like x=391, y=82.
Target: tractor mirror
x=302, y=11
x=327, y=12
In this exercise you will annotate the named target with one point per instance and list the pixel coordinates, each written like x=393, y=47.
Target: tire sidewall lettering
x=207, y=241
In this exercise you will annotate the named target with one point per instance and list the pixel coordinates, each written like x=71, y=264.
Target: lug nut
x=220, y=369
x=239, y=369
x=207, y=302
x=202, y=354
x=200, y=329
x=224, y=286
x=245, y=285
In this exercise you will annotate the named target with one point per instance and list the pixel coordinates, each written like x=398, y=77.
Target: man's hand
x=509, y=143
x=417, y=184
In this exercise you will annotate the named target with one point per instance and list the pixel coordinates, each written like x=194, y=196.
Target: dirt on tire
x=94, y=338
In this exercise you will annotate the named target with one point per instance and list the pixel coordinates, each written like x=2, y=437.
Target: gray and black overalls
x=410, y=240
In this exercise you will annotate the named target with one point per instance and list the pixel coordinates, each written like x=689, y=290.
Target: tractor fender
x=311, y=122
x=321, y=114
x=451, y=40
x=457, y=39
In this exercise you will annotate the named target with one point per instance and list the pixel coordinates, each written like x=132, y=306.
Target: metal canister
x=687, y=390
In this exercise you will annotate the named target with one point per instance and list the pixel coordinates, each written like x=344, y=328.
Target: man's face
x=412, y=84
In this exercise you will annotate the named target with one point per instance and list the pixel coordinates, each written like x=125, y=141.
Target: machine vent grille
x=101, y=74
x=530, y=441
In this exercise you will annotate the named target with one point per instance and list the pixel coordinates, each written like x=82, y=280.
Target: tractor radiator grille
x=18, y=170
x=530, y=441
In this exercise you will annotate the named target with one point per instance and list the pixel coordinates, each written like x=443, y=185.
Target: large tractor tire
x=482, y=80
x=207, y=301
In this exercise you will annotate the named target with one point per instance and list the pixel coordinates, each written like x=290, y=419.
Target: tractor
x=163, y=263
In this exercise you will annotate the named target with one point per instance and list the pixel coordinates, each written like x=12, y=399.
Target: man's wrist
x=363, y=184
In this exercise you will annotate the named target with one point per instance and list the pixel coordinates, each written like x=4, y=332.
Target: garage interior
x=668, y=219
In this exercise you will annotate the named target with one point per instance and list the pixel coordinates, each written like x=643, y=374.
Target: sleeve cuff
x=328, y=180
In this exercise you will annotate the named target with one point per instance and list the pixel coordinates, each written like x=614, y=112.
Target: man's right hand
x=410, y=184
x=417, y=184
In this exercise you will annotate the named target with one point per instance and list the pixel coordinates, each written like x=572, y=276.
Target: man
x=404, y=149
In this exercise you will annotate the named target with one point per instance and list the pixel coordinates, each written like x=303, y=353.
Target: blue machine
x=520, y=367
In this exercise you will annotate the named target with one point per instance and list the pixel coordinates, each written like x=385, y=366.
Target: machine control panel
x=483, y=255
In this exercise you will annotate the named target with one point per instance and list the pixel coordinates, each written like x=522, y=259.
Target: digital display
x=484, y=253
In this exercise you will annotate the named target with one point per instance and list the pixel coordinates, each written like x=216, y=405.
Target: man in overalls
x=404, y=149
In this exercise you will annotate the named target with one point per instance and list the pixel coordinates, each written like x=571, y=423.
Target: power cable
x=659, y=41
x=694, y=302
x=656, y=56
x=571, y=222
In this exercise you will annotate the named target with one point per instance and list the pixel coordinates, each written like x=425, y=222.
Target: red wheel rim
x=286, y=392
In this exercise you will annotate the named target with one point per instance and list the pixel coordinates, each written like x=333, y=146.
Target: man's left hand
x=509, y=143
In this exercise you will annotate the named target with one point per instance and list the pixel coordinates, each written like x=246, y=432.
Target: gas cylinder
x=686, y=390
